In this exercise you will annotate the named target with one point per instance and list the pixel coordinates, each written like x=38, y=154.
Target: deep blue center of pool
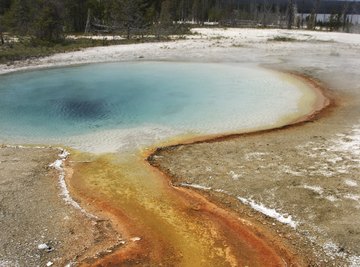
x=185, y=96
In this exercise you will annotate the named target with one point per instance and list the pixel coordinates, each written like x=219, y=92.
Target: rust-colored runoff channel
x=164, y=225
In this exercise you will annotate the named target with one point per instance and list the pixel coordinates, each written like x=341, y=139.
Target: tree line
x=51, y=19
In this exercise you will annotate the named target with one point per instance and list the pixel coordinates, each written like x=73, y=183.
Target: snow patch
x=287, y=169
x=335, y=159
x=64, y=154
x=223, y=191
x=43, y=246
x=58, y=165
x=272, y=213
x=6, y=263
x=351, y=183
x=354, y=261
x=196, y=186
x=352, y=197
x=350, y=142
x=234, y=176
x=255, y=155
x=333, y=251
x=331, y=198
x=95, y=37
x=317, y=189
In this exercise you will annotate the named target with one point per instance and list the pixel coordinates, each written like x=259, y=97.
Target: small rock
x=50, y=263
x=134, y=239
x=43, y=246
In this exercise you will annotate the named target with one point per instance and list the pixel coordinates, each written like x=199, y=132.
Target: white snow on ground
x=331, y=198
x=354, y=261
x=349, y=142
x=351, y=183
x=234, y=175
x=255, y=155
x=95, y=37
x=333, y=251
x=135, y=239
x=196, y=186
x=261, y=35
x=64, y=154
x=222, y=191
x=352, y=197
x=340, y=154
x=195, y=47
x=58, y=165
x=272, y=213
x=6, y=263
x=316, y=189
x=289, y=170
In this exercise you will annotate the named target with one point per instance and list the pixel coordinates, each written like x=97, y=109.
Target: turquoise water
x=183, y=97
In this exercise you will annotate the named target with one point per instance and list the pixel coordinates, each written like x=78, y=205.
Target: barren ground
x=32, y=213
x=310, y=172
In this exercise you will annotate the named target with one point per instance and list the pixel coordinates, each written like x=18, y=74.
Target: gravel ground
x=33, y=213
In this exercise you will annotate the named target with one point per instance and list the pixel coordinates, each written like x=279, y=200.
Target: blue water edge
x=196, y=97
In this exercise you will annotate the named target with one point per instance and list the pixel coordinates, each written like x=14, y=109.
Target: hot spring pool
x=101, y=107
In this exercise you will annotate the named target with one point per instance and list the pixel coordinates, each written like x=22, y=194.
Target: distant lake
x=353, y=18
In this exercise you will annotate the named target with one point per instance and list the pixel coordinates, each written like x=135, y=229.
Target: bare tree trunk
x=313, y=15
x=345, y=11
x=128, y=31
x=2, y=38
x=290, y=14
x=266, y=8
x=88, y=22
x=302, y=14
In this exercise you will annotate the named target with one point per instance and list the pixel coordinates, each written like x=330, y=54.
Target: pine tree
x=132, y=15
x=48, y=24
x=19, y=17
x=291, y=14
x=76, y=15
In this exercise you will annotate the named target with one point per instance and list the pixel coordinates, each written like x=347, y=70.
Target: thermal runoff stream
x=113, y=115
